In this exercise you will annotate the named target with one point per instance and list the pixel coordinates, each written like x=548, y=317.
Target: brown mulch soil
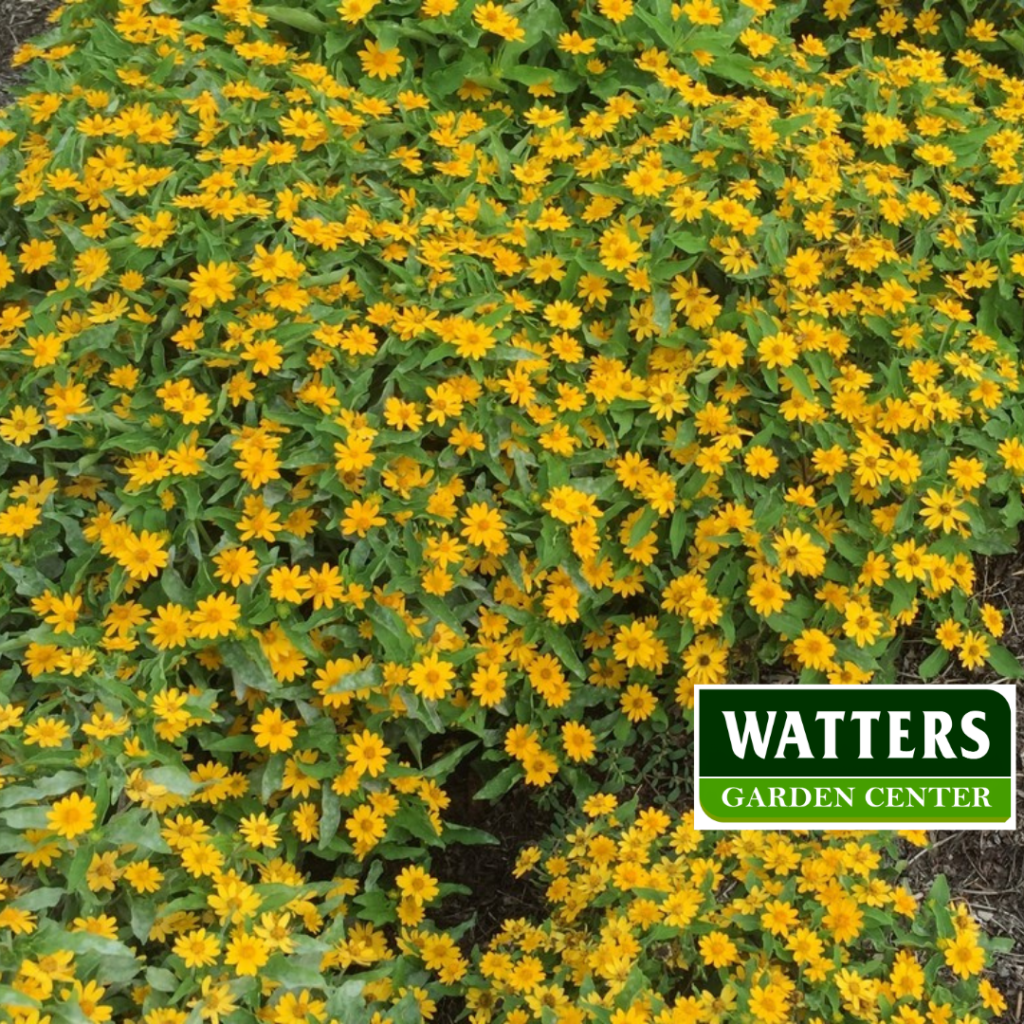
x=985, y=869
x=516, y=821
x=19, y=20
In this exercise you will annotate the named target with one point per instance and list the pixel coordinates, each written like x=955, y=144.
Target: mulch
x=19, y=20
x=985, y=869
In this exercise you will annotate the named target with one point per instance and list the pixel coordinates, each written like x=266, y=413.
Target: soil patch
x=19, y=20
x=985, y=870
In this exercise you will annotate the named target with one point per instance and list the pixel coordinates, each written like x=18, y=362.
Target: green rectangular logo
x=855, y=756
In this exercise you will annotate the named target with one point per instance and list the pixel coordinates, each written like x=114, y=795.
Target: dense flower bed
x=401, y=398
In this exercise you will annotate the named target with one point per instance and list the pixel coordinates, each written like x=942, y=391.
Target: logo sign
x=844, y=757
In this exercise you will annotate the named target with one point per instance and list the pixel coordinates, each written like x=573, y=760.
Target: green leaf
x=390, y=632
x=933, y=664
x=642, y=526
x=1005, y=663
x=23, y=818
x=466, y=836
x=562, y=646
x=13, y=997
x=292, y=974
x=416, y=822
x=273, y=775
x=367, y=678
x=294, y=17
x=345, y=1001
x=500, y=784
x=330, y=816
x=560, y=81
x=160, y=978
x=28, y=581
x=689, y=241
x=41, y=789
x=177, y=780
x=443, y=765
x=735, y=68
x=249, y=667
x=40, y=899
x=944, y=922
x=939, y=892
x=677, y=532
x=143, y=914
x=798, y=378
x=786, y=624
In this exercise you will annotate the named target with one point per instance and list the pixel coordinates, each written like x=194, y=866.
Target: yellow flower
x=71, y=816
x=20, y=425
x=964, y=956
x=416, y=884
x=273, y=731
x=236, y=566
x=777, y=350
x=814, y=649
x=993, y=619
x=577, y=741
x=258, y=831
x=197, y=948
x=215, y=616
x=18, y=520
x=36, y=253
x=803, y=268
x=615, y=11
x=170, y=626
x=485, y=526
x=941, y=510
x=367, y=753
x=212, y=283
x=717, y=949
x=974, y=649
x=142, y=555
x=88, y=996
x=767, y=595
x=380, y=63
x=638, y=702
x=246, y=953
x=768, y=1004
x=488, y=685
x=432, y=677
x=361, y=517
x=862, y=623
x=798, y=554
x=779, y=917
x=365, y=826
x=843, y=919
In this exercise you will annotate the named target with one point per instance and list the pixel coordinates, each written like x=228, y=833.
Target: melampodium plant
x=654, y=922
x=399, y=393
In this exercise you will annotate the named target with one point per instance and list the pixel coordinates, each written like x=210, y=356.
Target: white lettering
x=971, y=731
x=898, y=733
x=794, y=732
x=936, y=728
x=751, y=733
x=830, y=718
x=866, y=720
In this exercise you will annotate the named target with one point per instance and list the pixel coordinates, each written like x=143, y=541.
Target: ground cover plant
x=405, y=405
